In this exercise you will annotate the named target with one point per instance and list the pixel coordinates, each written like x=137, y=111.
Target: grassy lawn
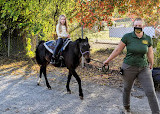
x=102, y=35
x=101, y=40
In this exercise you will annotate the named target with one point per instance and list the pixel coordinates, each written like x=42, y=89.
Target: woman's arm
x=115, y=53
x=150, y=56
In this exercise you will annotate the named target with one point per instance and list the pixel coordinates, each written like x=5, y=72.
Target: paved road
x=21, y=95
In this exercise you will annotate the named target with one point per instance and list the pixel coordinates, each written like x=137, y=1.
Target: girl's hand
x=68, y=36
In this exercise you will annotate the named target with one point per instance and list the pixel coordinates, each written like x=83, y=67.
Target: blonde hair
x=139, y=19
x=60, y=25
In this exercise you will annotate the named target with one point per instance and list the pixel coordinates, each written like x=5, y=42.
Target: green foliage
x=37, y=19
x=33, y=18
x=157, y=53
x=28, y=48
x=155, y=41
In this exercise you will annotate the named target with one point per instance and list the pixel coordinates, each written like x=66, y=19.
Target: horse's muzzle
x=87, y=57
x=88, y=60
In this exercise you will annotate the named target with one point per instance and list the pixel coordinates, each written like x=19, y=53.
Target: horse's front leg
x=68, y=81
x=79, y=83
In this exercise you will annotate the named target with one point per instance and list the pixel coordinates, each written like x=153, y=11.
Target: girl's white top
x=62, y=34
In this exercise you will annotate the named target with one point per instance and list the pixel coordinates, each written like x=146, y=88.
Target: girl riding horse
x=72, y=57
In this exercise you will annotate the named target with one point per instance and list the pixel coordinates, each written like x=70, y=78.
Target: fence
x=112, y=35
x=109, y=37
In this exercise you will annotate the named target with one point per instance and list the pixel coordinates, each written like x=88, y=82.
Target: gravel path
x=21, y=95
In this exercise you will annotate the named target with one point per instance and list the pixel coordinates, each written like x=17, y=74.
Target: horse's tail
x=38, y=58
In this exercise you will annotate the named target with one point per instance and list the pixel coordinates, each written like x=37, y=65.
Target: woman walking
x=137, y=64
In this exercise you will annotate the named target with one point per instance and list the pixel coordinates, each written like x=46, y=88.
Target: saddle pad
x=49, y=45
x=65, y=43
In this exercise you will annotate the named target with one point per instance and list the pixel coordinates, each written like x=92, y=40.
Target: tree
x=93, y=12
x=30, y=19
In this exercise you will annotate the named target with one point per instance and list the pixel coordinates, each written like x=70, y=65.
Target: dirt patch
x=112, y=78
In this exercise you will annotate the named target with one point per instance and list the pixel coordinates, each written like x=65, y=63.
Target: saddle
x=156, y=77
x=50, y=45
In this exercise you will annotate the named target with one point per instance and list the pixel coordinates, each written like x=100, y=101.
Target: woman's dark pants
x=144, y=76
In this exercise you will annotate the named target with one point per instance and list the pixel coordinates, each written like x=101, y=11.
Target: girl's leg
x=57, y=48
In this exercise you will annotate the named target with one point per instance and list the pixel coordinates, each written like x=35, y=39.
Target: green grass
x=102, y=35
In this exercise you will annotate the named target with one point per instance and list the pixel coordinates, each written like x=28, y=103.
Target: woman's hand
x=115, y=53
x=150, y=66
x=105, y=63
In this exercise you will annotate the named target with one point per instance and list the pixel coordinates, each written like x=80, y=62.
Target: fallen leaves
x=92, y=74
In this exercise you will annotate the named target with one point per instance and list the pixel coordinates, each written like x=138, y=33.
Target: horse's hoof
x=38, y=84
x=69, y=92
x=81, y=97
x=49, y=87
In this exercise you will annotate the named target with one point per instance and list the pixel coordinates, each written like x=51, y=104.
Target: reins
x=103, y=68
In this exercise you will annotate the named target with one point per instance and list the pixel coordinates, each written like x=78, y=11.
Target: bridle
x=103, y=68
x=83, y=56
x=84, y=52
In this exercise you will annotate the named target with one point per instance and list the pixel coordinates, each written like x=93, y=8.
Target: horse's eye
x=88, y=45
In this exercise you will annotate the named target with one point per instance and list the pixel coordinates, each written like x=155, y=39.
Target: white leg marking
x=39, y=80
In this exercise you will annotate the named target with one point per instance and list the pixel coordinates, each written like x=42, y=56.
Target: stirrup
x=53, y=57
x=53, y=60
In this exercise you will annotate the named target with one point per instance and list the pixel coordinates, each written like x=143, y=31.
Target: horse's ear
x=79, y=40
x=86, y=39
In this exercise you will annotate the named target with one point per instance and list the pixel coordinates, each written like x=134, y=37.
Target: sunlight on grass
x=13, y=64
x=101, y=40
x=102, y=35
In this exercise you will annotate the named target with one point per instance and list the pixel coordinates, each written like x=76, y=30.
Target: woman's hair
x=139, y=19
x=60, y=25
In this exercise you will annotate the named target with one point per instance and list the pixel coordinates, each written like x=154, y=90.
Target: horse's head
x=84, y=48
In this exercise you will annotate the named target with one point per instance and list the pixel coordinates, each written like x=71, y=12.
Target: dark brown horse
x=72, y=57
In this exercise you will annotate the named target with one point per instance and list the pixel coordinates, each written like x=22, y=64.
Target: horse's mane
x=42, y=41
